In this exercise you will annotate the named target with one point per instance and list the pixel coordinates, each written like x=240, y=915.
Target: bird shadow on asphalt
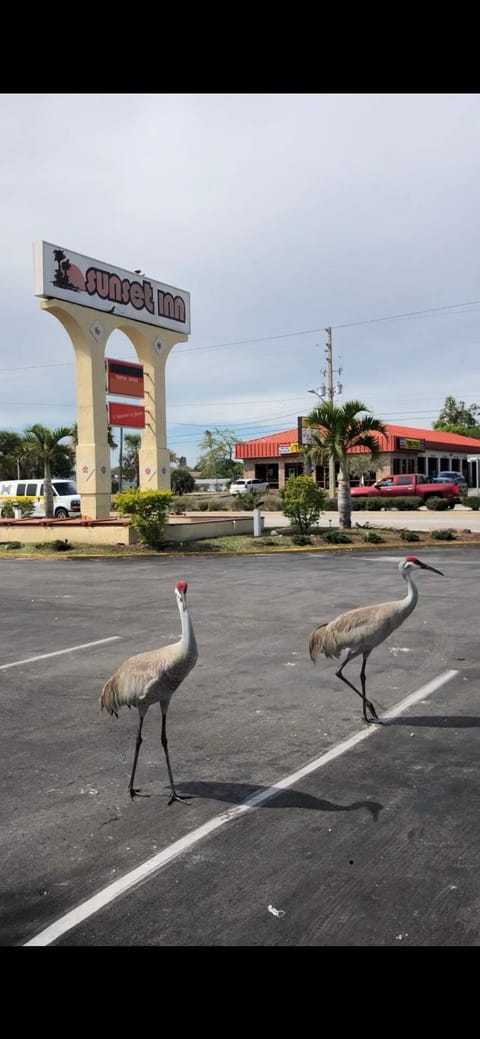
x=239, y=793
x=452, y=721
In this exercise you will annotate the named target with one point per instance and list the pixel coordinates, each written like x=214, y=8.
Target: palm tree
x=340, y=429
x=47, y=443
x=131, y=463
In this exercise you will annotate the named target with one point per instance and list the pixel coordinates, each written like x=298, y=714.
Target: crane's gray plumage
x=359, y=631
x=153, y=677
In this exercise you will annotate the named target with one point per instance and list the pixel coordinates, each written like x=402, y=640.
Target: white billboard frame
x=60, y=273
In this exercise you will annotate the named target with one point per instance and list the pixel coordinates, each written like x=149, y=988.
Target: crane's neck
x=187, y=641
x=411, y=598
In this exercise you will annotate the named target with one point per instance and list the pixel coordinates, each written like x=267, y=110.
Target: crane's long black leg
x=174, y=796
x=357, y=691
x=366, y=703
x=138, y=744
x=339, y=675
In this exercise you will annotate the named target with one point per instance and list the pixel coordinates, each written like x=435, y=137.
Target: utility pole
x=326, y=392
x=330, y=395
x=120, y=461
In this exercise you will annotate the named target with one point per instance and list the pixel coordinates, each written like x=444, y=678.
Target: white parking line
x=153, y=865
x=58, y=652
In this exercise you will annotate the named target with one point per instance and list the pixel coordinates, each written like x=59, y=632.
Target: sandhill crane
x=359, y=631
x=153, y=677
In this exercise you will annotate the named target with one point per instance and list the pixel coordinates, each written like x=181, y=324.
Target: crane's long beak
x=425, y=566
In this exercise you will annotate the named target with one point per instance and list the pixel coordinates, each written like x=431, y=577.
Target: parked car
x=450, y=476
x=66, y=499
x=244, y=486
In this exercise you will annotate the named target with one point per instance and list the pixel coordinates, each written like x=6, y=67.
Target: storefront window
x=293, y=469
x=268, y=473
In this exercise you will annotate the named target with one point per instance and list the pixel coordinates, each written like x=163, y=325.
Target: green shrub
x=438, y=504
x=409, y=535
x=25, y=506
x=273, y=502
x=13, y=544
x=374, y=504
x=249, y=501
x=148, y=513
x=55, y=546
x=336, y=537
x=218, y=506
x=331, y=505
x=303, y=502
x=301, y=539
x=443, y=535
x=181, y=505
x=373, y=537
x=181, y=480
x=473, y=501
x=406, y=504
x=7, y=510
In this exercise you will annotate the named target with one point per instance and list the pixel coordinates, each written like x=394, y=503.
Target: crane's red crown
x=413, y=559
x=181, y=586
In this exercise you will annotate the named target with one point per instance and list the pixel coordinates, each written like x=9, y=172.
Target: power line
x=29, y=367
x=282, y=335
x=315, y=331
x=410, y=313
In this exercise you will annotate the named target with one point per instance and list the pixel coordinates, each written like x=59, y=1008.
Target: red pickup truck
x=406, y=485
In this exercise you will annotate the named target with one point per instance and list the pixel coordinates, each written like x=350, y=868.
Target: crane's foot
x=136, y=793
x=177, y=797
x=372, y=711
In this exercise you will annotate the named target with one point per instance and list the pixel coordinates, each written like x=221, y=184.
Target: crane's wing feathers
x=363, y=627
x=147, y=677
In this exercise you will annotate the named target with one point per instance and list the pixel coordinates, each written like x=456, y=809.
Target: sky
x=282, y=215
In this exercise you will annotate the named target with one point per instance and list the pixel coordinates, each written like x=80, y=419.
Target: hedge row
x=374, y=504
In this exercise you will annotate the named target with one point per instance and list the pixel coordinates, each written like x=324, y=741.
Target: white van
x=66, y=499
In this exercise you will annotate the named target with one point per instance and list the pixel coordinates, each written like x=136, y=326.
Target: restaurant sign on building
x=410, y=444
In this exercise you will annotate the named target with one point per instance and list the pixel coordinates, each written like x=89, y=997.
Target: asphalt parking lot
x=372, y=840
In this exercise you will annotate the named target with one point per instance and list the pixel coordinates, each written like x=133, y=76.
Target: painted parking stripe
x=153, y=865
x=58, y=652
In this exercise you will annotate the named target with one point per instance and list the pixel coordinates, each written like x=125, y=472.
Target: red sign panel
x=129, y=415
x=123, y=378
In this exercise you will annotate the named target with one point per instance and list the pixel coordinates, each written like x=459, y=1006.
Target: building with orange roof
x=404, y=449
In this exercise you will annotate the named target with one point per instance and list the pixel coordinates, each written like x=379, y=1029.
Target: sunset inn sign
x=92, y=299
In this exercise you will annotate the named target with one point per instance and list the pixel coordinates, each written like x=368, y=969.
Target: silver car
x=244, y=486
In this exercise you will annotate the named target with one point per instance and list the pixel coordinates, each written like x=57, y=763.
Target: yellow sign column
x=153, y=346
x=89, y=330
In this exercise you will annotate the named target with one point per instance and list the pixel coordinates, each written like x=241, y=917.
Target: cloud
x=279, y=213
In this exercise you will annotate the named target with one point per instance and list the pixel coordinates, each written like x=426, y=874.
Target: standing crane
x=359, y=631
x=153, y=677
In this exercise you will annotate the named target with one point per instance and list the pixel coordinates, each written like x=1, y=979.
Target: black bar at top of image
x=126, y=369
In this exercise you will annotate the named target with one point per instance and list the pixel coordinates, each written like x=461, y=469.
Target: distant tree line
x=456, y=417
x=22, y=455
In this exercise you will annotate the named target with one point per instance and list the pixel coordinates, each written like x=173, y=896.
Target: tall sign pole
x=330, y=396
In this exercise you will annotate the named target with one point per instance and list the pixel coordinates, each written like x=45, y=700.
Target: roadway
x=359, y=835
x=419, y=519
